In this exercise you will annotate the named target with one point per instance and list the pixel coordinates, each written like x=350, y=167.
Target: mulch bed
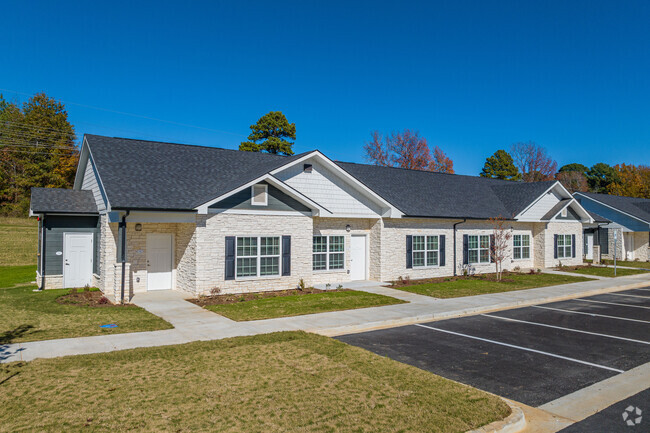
x=487, y=277
x=243, y=297
x=86, y=299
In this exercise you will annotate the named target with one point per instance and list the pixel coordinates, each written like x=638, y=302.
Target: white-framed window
x=520, y=247
x=478, y=249
x=260, y=195
x=564, y=246
x=258, y=256
x=426, y=251
x=328, y=253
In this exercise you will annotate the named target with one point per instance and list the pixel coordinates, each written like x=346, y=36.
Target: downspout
x=43, y=232
x=123, y=224
x=455, y=224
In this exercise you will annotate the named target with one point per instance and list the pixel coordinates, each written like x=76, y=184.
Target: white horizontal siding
x=90, y=183
x=539, y=209
x=329, y=190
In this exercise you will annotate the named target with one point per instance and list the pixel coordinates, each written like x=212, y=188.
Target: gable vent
x=259, y=195
x=307, y=168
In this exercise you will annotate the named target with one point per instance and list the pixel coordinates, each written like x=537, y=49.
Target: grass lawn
x=479, y=285
x=14, y=275
x=26, y=315
x=296, y=305
x=289, y=381
x=19, y=241
x=602, y=272
x=631, y=264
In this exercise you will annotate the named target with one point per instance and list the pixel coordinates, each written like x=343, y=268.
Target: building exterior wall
x=564, y=228
x=613, y=244
x=641, y=246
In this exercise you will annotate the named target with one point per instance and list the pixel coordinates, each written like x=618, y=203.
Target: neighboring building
x=629, y=217
x=194, y=218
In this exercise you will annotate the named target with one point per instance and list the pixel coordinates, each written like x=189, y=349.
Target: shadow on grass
x=7, y=337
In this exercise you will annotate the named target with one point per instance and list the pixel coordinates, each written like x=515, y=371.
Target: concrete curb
x=514, y=423
x=370, y=326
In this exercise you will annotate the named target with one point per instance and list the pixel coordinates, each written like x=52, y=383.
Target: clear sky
x=471, y=76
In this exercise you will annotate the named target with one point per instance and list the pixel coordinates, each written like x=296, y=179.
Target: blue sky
x=471, y=76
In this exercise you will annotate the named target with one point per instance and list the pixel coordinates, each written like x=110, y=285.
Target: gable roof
x=634, y=206
x=428, y=194
x=61, y=200
x=139, y=174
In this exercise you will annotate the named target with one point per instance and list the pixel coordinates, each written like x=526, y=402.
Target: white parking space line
x=590, y=314
x=591, y=364
x=566, y=329
x=611, y=303
x=631, y=296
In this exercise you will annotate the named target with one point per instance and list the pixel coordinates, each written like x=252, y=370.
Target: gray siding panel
x=55, y=226
x=277, y=201
x=91, y=183
x=571, y=215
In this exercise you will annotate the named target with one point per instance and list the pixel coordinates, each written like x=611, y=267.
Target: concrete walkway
x=193, y=323
x=575, y=274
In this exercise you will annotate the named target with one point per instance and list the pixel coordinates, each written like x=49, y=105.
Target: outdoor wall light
x=348, y=228
x=138, y=227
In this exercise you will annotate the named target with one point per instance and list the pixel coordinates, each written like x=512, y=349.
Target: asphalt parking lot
x=533, y=355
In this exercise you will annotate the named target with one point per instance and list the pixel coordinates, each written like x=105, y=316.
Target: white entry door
x=77, y=259
x=628, y=244
x=159, y=261
x=589, y=246
x=358, y=258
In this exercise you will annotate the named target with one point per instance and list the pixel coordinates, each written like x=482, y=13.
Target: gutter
x=43, y=232
x=455, y=262
x=123, y=258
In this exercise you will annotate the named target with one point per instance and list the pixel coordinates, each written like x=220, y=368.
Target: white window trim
x=327, y=253
x=258, y=257
x=564, y=247
x=479, y=249
x=521, y=247
x=266, y=194
x=425, y=251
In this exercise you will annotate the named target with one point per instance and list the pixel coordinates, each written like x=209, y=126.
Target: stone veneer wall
x=641, y=246
x=610, y=242
x=566, y=228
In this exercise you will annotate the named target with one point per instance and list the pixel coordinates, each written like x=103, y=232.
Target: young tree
x=633, y=181
x=600, y=176
x=574, y=167
x=533, y=162
x=440, y=163
x=270, y=134
x=573, y=181
x=500, y=244
x=406, y=150
x=500, y=166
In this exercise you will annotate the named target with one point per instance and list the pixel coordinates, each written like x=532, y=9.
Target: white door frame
x=367, y=256
x=173, y=259
x=628, y=245
x=90, y=235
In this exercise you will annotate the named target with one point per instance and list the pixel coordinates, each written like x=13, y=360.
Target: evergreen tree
x=500, y=166
x=270, y=135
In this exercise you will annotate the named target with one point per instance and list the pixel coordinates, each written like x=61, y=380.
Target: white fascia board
x=344, y=174
x=203, y=209
x=576, y=206
x=81, y=165
x=614, y=209
x=534, y=202
x=259, y=212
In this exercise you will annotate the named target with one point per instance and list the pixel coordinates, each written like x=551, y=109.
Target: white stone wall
x=612, y=244
x=641, y=246
x=565, y=228
x=107, y=253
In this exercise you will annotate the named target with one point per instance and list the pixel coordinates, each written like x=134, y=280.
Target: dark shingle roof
x=597, y=218
x=637, y=207
x=140, y=174
x=59, y=200
x=423, y=193
x=555, y=209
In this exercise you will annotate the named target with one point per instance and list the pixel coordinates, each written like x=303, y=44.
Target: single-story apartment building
x=147, y=215
x=627, y=217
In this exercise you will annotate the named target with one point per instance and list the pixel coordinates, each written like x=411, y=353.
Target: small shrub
x=301, y=285
x=215, y=291
x=73, y=291
x=539, y=271
x=103, y=300
x=339, y=287
x=328, y=286
x=407, y=280
x=86, y=288
x=532, y=271
x=516, y=269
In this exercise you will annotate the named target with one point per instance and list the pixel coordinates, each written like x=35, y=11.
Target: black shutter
x=465, y=249
x=555, y=246
x=230, y=258
x=573, y=245
x=441, y=244
x=603, y=238
x=286, y=256
x=409, y=251
x=492, y=248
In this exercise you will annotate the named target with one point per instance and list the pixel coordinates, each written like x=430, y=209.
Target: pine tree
x=500, y=166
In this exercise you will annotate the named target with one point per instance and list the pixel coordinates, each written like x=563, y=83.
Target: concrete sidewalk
x=193, y=323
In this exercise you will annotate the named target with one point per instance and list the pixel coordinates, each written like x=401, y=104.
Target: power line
x=136, y=115
x=39, y=128
x=37, y=146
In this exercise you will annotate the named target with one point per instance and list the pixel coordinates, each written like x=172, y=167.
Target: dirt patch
x=93, y=298
x=243, y=297
x=483, y=277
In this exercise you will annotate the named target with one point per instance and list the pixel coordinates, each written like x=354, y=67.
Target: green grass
x=479, y=285
x=631, y=264
x=26, y=315
x=604, y=272
x=19, y=241
x=289, y=381
x=14, y=275
x=295, y=305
